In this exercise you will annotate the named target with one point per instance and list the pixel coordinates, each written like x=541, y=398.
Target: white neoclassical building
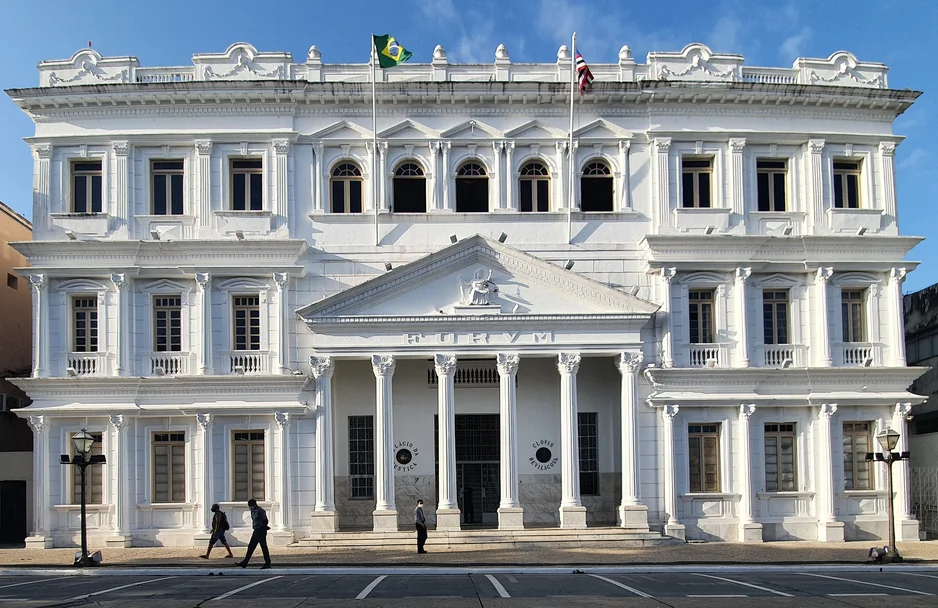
x=242, y=296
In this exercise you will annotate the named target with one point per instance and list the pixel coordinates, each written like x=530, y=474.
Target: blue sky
x=770, y=33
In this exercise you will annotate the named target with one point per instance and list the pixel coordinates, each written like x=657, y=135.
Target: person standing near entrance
x=260, y=525
x=220, y=525
x=421, y=522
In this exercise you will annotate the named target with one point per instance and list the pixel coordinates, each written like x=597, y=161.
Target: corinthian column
x=121, y=287
x=204, y=281
x=572, y=513
x=122, y=494
x=742, y=333
x=39, y=285
x=324, y=517
x=673, y=527
x=447, y=508
x=828, y=528
x=823, y=358
x=39, y=537
x=906, y=524
x=385, y=514
x=632, y=514
x=749, y=531
x=510, y=513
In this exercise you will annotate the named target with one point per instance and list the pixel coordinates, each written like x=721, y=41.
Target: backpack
x=224, y=521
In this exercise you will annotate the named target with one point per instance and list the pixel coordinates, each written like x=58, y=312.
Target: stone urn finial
x=563, y=52
x=501, y=52
x=625, y=53
x=314, y=53
x=439, y=52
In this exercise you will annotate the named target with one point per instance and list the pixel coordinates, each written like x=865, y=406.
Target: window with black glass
x=587, y=431
x=361, y=457
x=247, y=184
x=696, y=176
x=247, y=322
x=167, y=191
x=771, y=178
x=472, y=189
x=87, y=187
x=167, y=324
x=534, y=188
x=410, y=189
x=596, y=188
x=775, y=317
x=700, y=316
x=781, y=474
x=703, y=444
x=346, y=184
x=846, y=184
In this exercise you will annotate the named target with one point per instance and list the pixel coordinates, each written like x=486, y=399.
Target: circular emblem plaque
x=404, y=456
x=543, y=458
x=543, y=455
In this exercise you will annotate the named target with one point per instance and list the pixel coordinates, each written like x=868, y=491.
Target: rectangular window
x=858, y=442
x=703, y=443
x=587, y=427
x=771, y=177
x=695, y=182
x=167, y=324
x=853, y=311
x=846, y=184
x=780, y=462
x=248, y=450
x=169, y=467
x=13, y=281
x=84, y=325
x=361, y=456
x=775, y=317
x=700, y=316
x=87, y=187
x=247, y=184
x=247, y=323
x=167, y=187
x=94, y=474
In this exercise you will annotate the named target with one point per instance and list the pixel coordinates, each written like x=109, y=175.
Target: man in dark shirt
x=219, y=527
x=260, y=525
x=421, y=522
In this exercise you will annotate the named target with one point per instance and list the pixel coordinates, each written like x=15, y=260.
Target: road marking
x=240, y=589
x=498, y=586
x=850, y=580
x=618, y=584
x=103, y=591
x=727, y=595
x=917, y=574
x=371, y=587
x=512, y=579
x=45, y=580
x=729, y=580
x=857, y=594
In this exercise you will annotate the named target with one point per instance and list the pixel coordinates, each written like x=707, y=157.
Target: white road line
x=103, y=591
x=717, y=595
x=850, y=580
x=371, y=587
x=618, y=584
x=45, y=580
x=918, y=574
x=857, y=594
x=240, y=589
x=498, y=586
x=729, y=580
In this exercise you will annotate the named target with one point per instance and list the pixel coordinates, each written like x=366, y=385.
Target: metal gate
x=923, y=494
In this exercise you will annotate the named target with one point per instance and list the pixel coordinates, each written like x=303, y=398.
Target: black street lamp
x=888, y=439
x=83, y=441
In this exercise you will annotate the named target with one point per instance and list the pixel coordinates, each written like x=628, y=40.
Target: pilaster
x=742, y=327
x=815, y=149
x=282, y=280
x=206, y=354
x=324, y=517
x=672, y=527
x=510, y=176
x=497, y=177
x=572, y=512
x=829, y=529
x=39, y=285
x=447, y=508
x=737, y=191
x=560, y=177
x=120, y=498
x=907, y=527
x=821, y=278
x=667, y=333
x=625, y=185
x=887, y=154
x=434, y=202
x=123, y=333
x=749, y=530
x=279, y=209
x=121, y=186
x=632, y=514
x=662, y=190
x=40, y=536
x=444, y=176
x=284, y=527
x=385, y=514
x=203, y=175
x=206, y=492
x=897, y=321
x=384, y=199
x=319, y=203
x=42, y=187
x=510, y=512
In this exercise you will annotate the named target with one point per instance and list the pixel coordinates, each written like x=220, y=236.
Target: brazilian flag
x=390, y=53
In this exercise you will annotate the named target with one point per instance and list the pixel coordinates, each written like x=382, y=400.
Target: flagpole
x=374, y=138
x=570, y=143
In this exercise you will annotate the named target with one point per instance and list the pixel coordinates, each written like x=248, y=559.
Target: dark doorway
x=13, y=512
x=478, y=486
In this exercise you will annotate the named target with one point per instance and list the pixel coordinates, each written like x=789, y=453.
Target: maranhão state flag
x=583, y=73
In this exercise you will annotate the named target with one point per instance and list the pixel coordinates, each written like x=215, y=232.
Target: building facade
x=247, y=289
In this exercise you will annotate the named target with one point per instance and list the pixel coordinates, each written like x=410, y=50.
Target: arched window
x=346, y=189
x=534, y=187
x=410, y=189
x=596, y=187
x=472, y=189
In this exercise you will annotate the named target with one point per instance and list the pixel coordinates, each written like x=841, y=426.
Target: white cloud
x=792, y=47
x=439, y=11
x=473, y=29
x=725, y=35
x=916, y=160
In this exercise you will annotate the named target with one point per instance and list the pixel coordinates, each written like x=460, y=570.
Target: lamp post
x=83, y=442
x=888, y=439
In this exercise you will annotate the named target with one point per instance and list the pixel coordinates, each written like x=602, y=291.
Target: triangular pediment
x=601, y=129
x=343, y=130
x=534, y=130
x=472, y=129
x=408, y=129
x=441, y=285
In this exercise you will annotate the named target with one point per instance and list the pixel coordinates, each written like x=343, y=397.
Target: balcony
x=86, y=364
x=708, y=355
x=169, y=364
x=857, y=354
x=249, y=362
x=780, y=355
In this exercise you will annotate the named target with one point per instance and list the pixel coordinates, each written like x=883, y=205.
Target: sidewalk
x=924, y=553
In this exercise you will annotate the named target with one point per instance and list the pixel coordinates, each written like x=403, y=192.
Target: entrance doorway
x=13, y=512
x=477, y=468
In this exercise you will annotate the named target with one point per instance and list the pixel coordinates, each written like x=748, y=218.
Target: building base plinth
x=384, y=521
x=907, y=530
x=830, y=531
x=39, y=541
x=750, y=533
x=573, y=518
x=280, y=538
x=633, y=518
x=448, y=519
x=118, y=542
x=675, y=531
x=323, y=521
x=510, y=518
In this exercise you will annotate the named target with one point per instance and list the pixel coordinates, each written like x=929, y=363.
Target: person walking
x=219, y=526
x=421, y=522
x=259, y=523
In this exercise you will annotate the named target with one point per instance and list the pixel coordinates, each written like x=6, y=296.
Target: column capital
x=824, y=274
x=668, y=274
x=445, y=146
x=629, y=362
x=37, y=423
x=561, y=145
x=121, y=148
x=281, y=279
x=897, y=275
x=815, y=145
x=318, y=147
x=903, y=409
x=743, y=274
x=281, y=146
x=283, y=419
x=746, y=410
x=118, y=421
x=38, y=282
x=662, y=144
x=826, y=411
x=204, y=279
x=624, y=145
x=568, y=363
x=203, y=147
x=322, y=367
x=383, y=365
x=507, y=363
x=445, y=365
x=670, y=411
x=205, y=421
x=42, y=151
x=119, y=279
x=887, y=148
x=737, y=144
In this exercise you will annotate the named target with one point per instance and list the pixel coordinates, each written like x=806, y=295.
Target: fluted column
x=737, y=193
x=39, y=536
x=434, y=202
x=279, y=209
x=447, y=508
x=384, y=202
x=633, y=515
x=121, y=467
x=815, y=198
x=203, y=150
x=121, y=186
x=749, y=530
x=662, y=190
x=40, y=288
x=207, y=494
x=572, y=513
x=122, y=335
x=821, y=279
x=496, y=176
x=742, y=328
x=906, y=524
x=319, y=202
x=444, y=176
x=324, y=517
x=282, y=365
x=385, y=514
x=667, y=333
x=283, y=486
x=42, y=187
x=829, y=529
x=887, y=153
x=672, y=526
x=559, y=179
x=204, y=281
x=897, y=320
x=510, y=513
x=510, y=176
x=625, y=183
x=371, y=197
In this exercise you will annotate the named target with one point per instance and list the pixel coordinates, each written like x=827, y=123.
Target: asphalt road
x=868, y=588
